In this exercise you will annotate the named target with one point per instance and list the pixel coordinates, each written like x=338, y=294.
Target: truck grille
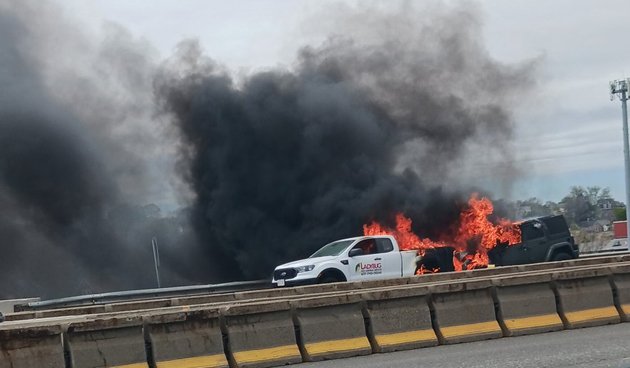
x=287, y=273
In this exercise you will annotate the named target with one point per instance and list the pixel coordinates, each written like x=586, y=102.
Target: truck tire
x=561, y=256
x=327, y=279
x=331, y=275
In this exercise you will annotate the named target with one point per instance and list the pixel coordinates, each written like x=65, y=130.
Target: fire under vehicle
x=374, y=257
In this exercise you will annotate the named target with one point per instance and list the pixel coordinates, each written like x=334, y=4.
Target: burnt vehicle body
x=543, y=239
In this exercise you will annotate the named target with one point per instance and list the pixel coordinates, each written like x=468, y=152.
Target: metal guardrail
x=130, y=295
x=619, y=252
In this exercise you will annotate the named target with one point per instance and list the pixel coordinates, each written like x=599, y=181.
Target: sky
x=568, y=130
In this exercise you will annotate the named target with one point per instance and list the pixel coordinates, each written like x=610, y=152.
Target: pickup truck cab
x=353, y=259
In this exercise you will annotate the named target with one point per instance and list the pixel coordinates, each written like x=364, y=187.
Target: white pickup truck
x=353, y=259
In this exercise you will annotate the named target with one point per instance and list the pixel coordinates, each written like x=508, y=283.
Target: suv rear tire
x=561, y=256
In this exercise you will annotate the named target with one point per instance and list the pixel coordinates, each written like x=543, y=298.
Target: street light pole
x=156, y=260
x=620, y=88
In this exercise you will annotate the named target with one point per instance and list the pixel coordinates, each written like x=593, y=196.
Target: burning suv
x=543, y=239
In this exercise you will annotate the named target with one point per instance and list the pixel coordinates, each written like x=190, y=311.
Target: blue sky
x=568, y=131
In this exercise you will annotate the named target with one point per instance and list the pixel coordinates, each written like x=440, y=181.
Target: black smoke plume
x=401, y=109
x=384, y=118
x=75, y=152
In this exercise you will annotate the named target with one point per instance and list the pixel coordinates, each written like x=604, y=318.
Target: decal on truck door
x=369, y=268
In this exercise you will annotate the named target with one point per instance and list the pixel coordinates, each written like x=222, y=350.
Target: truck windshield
x=332, y=249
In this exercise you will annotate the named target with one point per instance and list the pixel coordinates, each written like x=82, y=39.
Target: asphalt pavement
x=595, y=347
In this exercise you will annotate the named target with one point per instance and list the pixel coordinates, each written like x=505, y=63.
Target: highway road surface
x=595, y=347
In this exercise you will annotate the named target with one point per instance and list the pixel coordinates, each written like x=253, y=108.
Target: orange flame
x=475, y=236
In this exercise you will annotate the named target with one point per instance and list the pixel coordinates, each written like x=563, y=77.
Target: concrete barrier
x=33, y=347
x=106, y=343
x=266, y=293
x=621, y=279
x=399, y=319
x=331, y=327
x=19, y=316
x=464, y=312
x=260, y=334
x=585, y=297
x=8, y=306
x=186, y=340
x=350, y=323
x=171, y=302
x=279, y=293
x=527, y=305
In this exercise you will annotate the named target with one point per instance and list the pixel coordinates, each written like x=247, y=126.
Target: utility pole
x=620, y=88
x=156, y=260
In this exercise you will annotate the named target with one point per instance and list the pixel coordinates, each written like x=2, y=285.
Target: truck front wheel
x=331, y=275
x=327, y=280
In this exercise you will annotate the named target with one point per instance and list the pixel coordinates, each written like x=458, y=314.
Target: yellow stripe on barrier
x=336, y=346
x=134, y=365
x=470, y=329
x=208, y=361
x=526, y=323
x=269, y=354
x=405, y=337
x=626, y=309
x=592, y=314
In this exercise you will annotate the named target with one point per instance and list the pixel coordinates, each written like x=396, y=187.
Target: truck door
x=390, y=259
x=368, y=265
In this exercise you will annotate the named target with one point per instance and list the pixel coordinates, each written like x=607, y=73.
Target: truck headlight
x=304, y=268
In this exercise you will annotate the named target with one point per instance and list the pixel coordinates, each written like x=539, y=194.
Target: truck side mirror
x=355, y=252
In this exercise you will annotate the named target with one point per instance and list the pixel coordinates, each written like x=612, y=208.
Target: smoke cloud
x=79, y=158
x=399, y=109
x=383, y=117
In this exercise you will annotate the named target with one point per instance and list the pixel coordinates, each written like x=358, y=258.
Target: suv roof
x=556, y=224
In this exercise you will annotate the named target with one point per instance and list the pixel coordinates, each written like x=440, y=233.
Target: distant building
x=606, y=208
x=606, y=203
x=604, y=224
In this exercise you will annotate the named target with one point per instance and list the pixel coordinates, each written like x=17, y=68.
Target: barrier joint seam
x=368, y=327
x=67, y=358
x=148, y=346
x=434, y=321
x=498, y=314
x=298, y=334
x=559, y=308
x=225, y=338
x=616, y=301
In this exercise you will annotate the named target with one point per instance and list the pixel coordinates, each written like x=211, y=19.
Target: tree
x=533, y=207
x=620, y=213
x=578, y=204
x=593, y=194
x=605, y=194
